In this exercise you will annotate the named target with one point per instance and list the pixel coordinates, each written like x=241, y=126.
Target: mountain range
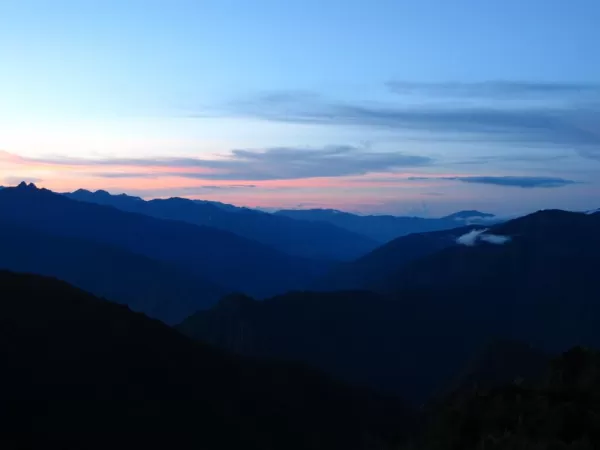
x=536, y=285
x=295, y=237
x=80, y=372
x=156, y=288
x=220, y=257
x=384, y=228
x=313, y=233
x=461, y=322
x=374, y=270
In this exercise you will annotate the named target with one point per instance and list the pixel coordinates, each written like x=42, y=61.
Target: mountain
x=296, y=237
x=374, y=269
x=355, y=336
x=226, y=259
x=469, y=215
x=546, y=267
x=225, y=206
x=155, y=288
x=532, y=279
x=385, y=228
x=79, y=372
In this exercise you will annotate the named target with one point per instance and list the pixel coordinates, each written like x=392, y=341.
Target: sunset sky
x=416, y=107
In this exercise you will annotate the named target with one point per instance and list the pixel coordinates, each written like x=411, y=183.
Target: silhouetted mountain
x=79, y=372
x=296, y=237
x=546, y=270
x=373, y=270
x=356, y=336
x=558, y=411
x=225, y=206
x=236, y=263
x=469, y=215
x=539, y=287
x=385, y=228
x=360, y=337
x=152, y=287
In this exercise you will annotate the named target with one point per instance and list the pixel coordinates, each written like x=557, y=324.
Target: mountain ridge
x=80, y=372
x=385, y=228
x=435, y=311
x=234, y=262
x=299, y=238
x=371, y=270
x=158, y=289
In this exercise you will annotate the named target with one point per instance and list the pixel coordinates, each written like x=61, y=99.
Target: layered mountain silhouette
x=539, y=286
x=80, y=372
x=531, y=279
x=355, y=336
x=385, y=228
x=296, y=237
x=224, y=258
x=375, y=269
x=155, y=288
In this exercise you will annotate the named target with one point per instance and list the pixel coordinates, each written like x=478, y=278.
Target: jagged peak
x=24, y=185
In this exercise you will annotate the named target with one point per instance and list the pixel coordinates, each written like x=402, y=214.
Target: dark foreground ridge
x=82, y=373
x=559, y=410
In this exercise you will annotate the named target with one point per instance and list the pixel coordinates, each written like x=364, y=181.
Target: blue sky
x=405, y=107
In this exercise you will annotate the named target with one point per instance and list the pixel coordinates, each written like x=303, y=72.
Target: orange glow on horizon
x=155, y=179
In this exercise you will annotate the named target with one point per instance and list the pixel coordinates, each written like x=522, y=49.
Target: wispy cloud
x=277, y=163
x=509, y=181
x=186, y=191
x=471, y=238
x=495, y=89
x=495, y=239
x=230, y=186
x=569, y=124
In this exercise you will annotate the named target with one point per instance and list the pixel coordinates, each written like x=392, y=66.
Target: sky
x=420, y=107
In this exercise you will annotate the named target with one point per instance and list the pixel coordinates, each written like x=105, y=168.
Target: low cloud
x=494, y=238
x=509, y=181
x=471, y=238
